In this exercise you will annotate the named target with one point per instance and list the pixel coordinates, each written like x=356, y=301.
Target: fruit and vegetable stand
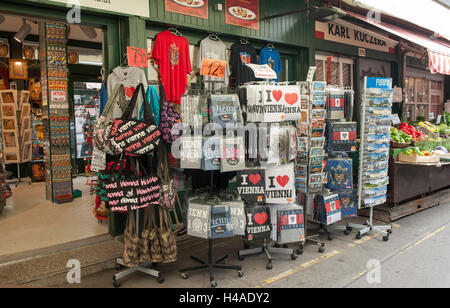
x=419, y=170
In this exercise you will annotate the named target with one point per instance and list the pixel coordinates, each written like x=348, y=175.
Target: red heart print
x=261, y=218
x=255, y=178
x=283, y=180
x=129, y=91
x=277, y=95
x=291, y=98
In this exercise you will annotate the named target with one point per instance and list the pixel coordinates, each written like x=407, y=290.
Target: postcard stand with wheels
x=143, y=267
x=377, y=96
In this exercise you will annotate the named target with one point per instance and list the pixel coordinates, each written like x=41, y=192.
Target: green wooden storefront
x=292, y=34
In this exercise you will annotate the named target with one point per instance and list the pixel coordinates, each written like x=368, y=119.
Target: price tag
x=213, y=68
x=439, y=119
x=395, y=119
x=137, y=57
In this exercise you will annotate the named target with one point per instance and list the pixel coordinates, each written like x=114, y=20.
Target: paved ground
x=417, y=255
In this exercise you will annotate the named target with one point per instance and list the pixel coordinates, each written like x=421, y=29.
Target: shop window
x=341, y=70
x=87, y=103
x=88, y=56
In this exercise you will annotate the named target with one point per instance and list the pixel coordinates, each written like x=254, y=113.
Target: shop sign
x=350, y=34
x=129, y=7
x=59, y=96
x=196, y=8
x=263, y=71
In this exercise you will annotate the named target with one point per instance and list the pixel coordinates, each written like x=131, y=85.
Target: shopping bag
x=238, y=218
x=133, y=136
x=280, y=185
x=259, y=224
x=168, y=189
x=251, y=185
x=291, y=226
x=167, y=237
x=221, y=222
x=233, y=154
x=198, y=219
x=340, y=174
x=224, y=110
x=211, y=154
x=131, y=243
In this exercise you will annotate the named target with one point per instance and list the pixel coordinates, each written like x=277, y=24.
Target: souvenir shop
x=50, y=93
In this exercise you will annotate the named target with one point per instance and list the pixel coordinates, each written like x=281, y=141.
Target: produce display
x=415, y=151
x=400, y=137
x=412, y=131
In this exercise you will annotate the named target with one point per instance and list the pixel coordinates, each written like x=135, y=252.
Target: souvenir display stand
x=142, y=267
x=211, y=264
x=374, y=152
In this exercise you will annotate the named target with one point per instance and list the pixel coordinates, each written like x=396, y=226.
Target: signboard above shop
x=347, y=33
x=128, y=7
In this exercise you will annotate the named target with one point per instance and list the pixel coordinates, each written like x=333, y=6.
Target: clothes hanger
x=124, y=62
x=175, y=31
x=214, y=37
x=244, y=41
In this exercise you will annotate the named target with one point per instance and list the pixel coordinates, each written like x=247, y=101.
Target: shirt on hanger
x=130, y=77
x=241, y=55
x=171, y=53
x=271, y=57
x=213, y=49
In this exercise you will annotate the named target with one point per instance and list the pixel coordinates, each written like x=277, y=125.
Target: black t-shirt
x=242, y=54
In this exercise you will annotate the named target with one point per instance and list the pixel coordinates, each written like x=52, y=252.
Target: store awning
x=439, y=63
x=438, y=52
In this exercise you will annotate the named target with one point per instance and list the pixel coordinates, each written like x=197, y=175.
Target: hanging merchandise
x=171, y=53
x=280, y=185
x=131, y=243
x=211, y=159
x=169, y=117
x=191, y=111
x=273, y=102
x=224, y=110
x=327, y=208
x=168, y=189
x=213, y=48
x=348, y=203
x=191, y=152
x=238, y=218
x=251, y=186
x=154, y=100
x=130, y=77
x=341, y=137
x=340, y=174
x=221, y=222
x=274, y=208
x=156, y=254
x=103, y=124
x=103, y=97
x=241, y=55
x=133, y=136
x=336, y=103
x=291, y=225
x=270, y=55
x=198, y=219
x=128, y=193
x=144, y=240
x=233, y=154
x=259, y=225
x=166, y=237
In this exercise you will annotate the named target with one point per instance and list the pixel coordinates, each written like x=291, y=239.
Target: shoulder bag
x=133, y=136
x=168, y=189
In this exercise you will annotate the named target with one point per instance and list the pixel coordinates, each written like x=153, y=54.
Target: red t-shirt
x=171, y=53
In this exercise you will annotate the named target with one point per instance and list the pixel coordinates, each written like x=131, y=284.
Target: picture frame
x=27, y=151
x=10, y=141
x=18, y=69
x=8, y=97
x=23, y=97
x=8, y=111
x=12, y=157
x=9, y=124
x=25, y=111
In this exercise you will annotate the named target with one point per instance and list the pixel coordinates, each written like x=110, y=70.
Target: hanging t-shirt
x=241, y=55
x=271, y=56
x=171, y=53
x=213, y=49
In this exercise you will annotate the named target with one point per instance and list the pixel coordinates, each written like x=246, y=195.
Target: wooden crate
x=419, y=159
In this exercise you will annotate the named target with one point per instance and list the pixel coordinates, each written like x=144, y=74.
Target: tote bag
x=102, y=126
x=133, y=136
